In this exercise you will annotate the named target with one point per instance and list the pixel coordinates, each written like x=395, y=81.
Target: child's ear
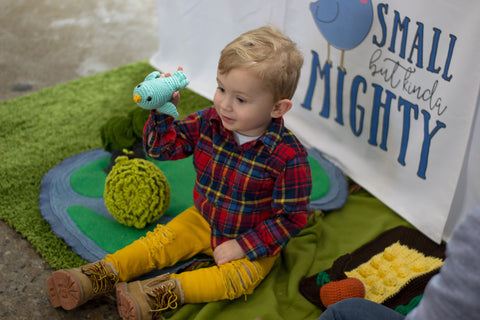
x=281, y=107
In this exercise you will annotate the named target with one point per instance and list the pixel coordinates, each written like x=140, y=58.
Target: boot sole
x=128, y=308
x=52, y=293
x=64, y=290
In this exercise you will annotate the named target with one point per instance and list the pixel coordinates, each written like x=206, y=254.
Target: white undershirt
x=241, y=139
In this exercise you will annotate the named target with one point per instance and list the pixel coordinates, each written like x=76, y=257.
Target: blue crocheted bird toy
x=155, y=91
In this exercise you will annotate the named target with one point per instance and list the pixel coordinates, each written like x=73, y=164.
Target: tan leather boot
x=142, y=300
x=73, y=287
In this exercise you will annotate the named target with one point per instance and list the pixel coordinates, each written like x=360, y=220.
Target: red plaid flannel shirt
x=257, y=193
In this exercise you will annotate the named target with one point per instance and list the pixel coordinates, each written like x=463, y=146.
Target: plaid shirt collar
x=271, y=138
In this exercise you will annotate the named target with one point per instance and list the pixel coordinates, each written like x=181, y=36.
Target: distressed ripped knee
x=156, y=240
x=241, y=278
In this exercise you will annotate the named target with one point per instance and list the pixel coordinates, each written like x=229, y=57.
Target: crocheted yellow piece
x=389, y=271
x=136, y=192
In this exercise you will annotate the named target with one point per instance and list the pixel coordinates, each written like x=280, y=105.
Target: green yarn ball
x=136, y=192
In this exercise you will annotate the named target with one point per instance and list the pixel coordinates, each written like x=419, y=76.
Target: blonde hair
x=270, y=55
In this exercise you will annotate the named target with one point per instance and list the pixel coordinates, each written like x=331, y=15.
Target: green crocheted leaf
x=321, y=181
x=106, y=233
x=89, y=180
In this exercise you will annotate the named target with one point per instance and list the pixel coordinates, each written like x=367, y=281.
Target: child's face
x=243, y=102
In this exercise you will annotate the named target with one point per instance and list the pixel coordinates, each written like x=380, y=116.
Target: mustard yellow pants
x=187, y=235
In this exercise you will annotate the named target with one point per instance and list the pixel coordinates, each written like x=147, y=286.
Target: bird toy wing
x=155, y=92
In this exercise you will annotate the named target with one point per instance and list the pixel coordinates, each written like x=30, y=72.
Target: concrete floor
x=44, y=43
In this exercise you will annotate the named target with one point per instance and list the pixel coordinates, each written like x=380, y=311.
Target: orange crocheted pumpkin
x=335, y=291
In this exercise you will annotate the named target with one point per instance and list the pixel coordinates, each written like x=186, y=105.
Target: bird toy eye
x=139, y=86
x=149, y=99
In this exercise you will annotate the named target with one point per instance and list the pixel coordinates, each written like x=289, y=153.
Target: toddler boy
x=251, y=193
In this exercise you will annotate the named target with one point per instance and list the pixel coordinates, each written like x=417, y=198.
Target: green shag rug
x=40, y=130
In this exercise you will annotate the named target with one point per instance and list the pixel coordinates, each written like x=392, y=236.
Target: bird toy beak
x=137, y=98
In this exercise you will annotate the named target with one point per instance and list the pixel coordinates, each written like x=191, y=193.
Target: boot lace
x=102, y=279
x=164, y=299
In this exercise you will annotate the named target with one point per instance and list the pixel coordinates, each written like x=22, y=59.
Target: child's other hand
x=228, y=251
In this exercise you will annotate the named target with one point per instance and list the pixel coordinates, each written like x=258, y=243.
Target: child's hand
x=228, y=251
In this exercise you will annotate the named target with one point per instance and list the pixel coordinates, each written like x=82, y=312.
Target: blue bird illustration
x=343, y=23
x=156, y=91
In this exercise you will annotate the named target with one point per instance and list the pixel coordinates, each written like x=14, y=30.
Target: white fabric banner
x=389, y=89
